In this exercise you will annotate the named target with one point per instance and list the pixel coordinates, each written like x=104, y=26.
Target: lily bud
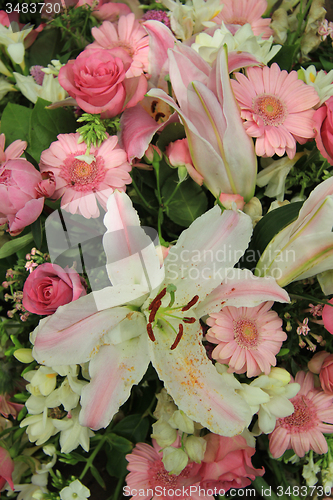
x=24, y=355
x=174, y=460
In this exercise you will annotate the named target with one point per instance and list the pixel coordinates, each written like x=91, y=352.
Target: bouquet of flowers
x=166, y=246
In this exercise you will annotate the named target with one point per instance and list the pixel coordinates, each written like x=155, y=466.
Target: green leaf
x=285, y=57
x=46, y=124
x=37, y=232
x=120, y=443
x=188, y=203
x=97, y=476
x=116, y=464
x=15, y=245
x=15, y=122
x=172, y=132
x=132, y=427
x=283, y=352
x=270, y=225
x=45, y=47
x=327, y=65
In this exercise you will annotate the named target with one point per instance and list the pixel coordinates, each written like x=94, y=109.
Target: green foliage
x=15, y=122
x=15, y=245
x=188, y=203
x=45, y=125
x=45, y=48
x=95, y=130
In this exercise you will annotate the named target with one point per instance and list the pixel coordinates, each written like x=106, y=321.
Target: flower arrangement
x=166, y=246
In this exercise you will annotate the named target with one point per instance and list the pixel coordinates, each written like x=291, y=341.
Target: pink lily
x=305, y=247
x=6, y=469
x=220, y=148
x=151, y=313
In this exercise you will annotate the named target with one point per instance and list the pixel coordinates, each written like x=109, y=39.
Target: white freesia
x=195, y=447
x=120, y=329
x=42, y=381
x=274, y=176
x=13, y=39
x=320, y=80
x=182, y=422
x=33, y=491
x=163, y=433
x=5, y=87
x=75, y=491
x=39, y=428
x=242, y=41
x=50, y=90
x=191, y=17
x=310, y=471
x=72, y=433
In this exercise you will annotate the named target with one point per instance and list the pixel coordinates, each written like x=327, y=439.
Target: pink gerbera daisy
x=277, y=107
x=129, y=37
x=149, y=477
x=248, y=338
x=83, y=179
x=246, y=11
x=13, y=152
x=303, y=430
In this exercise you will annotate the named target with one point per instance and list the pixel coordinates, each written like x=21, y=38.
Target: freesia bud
x=195, y=448
x=174, y=460
x=164, y=434
x=24, y=355
x=182, y=422
x=280, y=374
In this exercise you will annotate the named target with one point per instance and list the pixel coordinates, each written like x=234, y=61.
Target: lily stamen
x=191, y=303
x=150, y=332
x=154, y=310
x=157, y=298
x=178, y=337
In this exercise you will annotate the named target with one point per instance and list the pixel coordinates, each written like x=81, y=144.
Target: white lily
x=147, y=317
x=305, y=247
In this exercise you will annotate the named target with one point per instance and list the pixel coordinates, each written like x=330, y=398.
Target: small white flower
x=181, y=421
x=243, y=40
x=174, y=459
x=13, y=40
x=72, y=433
x=75, y=491
x=195, y=448
x=39, y=428
x=42, y=381
x=321, y=81
x=50, y=90
x=310, y=471
x=163, y=433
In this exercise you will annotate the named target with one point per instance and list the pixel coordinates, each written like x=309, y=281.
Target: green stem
x=92, y=457
x=308, y=297
x=146, y=204
x=172, y=195
x=118, y=488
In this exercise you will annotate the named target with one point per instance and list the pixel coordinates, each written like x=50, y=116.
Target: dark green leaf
x=117, y=464
x=327, y=65
x=46, y=124
x=120, y=443
x=15, y=122
x=15, y=245
x=37, y=232
x=171, y=133
x=97, y=476
x=45, y=47
x=188, y=203
x=285, y=57
x=270, y=225
x=283, y=352
x=133, y=427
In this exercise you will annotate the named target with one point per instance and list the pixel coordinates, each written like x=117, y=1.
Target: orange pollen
x=270, y=108
x=246, y=334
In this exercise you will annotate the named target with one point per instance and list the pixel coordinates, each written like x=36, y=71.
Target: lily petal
x=197, y=264
x=74, y=332
x=191, y=379
x=234, y=291
x=113, y=372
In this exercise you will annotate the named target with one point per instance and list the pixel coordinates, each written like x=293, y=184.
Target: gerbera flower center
x=304, y=416
x=161, y=477
x=126, y=46
x=83, y=176
x=246, y=333
x=270, y=109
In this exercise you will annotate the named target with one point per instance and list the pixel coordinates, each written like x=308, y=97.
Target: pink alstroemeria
x=220, y=148
x=152, y=312
x=305, y=247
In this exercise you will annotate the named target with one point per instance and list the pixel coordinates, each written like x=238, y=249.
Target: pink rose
x=50, y=286
x=96, y=80
x=326, y=375
x=323, y=119
x=178, y=154
x=106, y=10
x=227, y=463
x=22, y=192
